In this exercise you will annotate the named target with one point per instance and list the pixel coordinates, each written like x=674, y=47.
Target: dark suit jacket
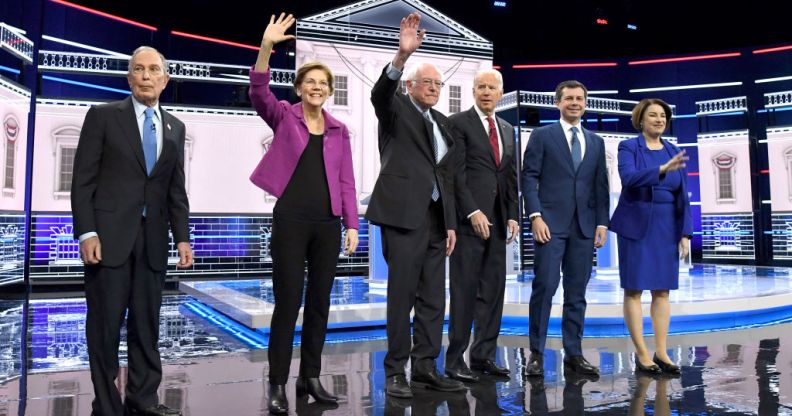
x=403, y=190
x=110, y=186
x=551, y=186
x=633, y=215
x=477, y=179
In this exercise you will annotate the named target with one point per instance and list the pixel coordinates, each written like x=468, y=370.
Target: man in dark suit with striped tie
x=413, y=203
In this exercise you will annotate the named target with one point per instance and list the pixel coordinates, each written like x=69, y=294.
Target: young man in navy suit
x=565, y=187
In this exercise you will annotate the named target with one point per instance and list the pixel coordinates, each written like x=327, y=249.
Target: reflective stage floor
x=710, y=297
x=215, y=366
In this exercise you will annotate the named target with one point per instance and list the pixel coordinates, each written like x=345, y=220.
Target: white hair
x=493, y=71
x=412, y=71
x=149, y=49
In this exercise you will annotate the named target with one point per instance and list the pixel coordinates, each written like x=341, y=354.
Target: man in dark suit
x=486, y=198
x=127, y=189
x=565, y=187
x=413, y=203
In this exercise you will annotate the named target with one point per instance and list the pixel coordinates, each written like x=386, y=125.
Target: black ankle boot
x=278, y=404
x=312, y=386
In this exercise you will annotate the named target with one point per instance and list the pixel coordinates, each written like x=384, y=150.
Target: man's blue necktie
x=435, y=150
x=577, y=152
x=149, y=140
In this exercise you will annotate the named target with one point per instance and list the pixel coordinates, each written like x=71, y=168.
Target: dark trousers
x=571, y=251
x=109, y=292
x=478, y=281
x=294, y=242
x=416, y=278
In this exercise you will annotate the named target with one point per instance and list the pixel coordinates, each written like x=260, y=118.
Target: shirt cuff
x=88, y=235
x=473, y=213
x=534, y=214
x=393, y=73
x=602, y=226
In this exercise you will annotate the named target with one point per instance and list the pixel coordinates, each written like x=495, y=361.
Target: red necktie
x=493, y=137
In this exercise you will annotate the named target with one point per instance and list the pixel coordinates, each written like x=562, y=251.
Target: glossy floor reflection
x=745, y=372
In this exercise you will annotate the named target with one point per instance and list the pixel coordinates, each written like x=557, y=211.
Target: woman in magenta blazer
x=653, y=225
x=309, y=169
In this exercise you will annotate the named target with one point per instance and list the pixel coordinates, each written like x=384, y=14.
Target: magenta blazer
x=291, y=137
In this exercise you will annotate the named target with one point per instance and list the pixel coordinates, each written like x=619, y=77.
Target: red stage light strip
x=215, y=40
x=768, y=50
x=764, y=171
x=103, y=14
x=585, y=65
x=693, y=174
x=686, y=58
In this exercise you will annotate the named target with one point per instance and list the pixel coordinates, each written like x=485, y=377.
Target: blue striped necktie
x=149, y=140
x=435, y=191
x=577, y=152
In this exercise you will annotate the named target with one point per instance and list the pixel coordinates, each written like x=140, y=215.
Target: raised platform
x=710, y=297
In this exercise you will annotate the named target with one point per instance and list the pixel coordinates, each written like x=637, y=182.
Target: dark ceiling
x=523, y=31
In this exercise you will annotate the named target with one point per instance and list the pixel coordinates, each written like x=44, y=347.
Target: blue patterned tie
x=435, y=191
x=149, y=140
x=577, y=153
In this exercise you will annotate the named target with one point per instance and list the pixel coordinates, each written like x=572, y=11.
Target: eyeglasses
x=153, y=71
x=426, y=82
x=313, y=83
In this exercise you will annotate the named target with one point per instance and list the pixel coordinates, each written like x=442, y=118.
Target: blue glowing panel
x=224, y=246
x=727, y=236
x=782, y=235
x=57, y=335
x=346, y=291
x=12, y=244
x=11, y=317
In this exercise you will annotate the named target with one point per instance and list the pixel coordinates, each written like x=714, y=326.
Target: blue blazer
x=633, y=215
x=551, y=186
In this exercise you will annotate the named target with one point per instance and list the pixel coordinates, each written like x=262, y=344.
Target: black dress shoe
x=665, y=367
x=648, y=369
x=462, y=373
x=155, y=410
x=535, y=366
x=433, y=380
x=278, y=404
x=396, y=386
x=489, y=367
x=579, y=365
x=312, y=386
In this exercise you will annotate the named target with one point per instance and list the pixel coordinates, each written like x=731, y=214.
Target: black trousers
x=109, y=293
x=416, y=278
x=477, y=284
x=294, y=242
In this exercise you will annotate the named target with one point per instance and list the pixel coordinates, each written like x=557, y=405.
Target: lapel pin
x=168, y=125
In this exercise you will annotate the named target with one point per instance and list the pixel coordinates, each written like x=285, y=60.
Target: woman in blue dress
x=653, y=227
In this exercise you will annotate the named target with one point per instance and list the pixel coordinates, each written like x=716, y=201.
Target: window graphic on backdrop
x=11, y=133
x=779, y=161
x=723, y=165
x=726, y=198
x=14, y=107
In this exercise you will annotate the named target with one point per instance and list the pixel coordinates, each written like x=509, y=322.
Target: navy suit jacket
x=551, y=186
x=633, y=215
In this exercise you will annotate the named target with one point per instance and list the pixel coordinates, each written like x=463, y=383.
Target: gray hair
x=412, y=72
x=491, y=71
x=149, y=49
